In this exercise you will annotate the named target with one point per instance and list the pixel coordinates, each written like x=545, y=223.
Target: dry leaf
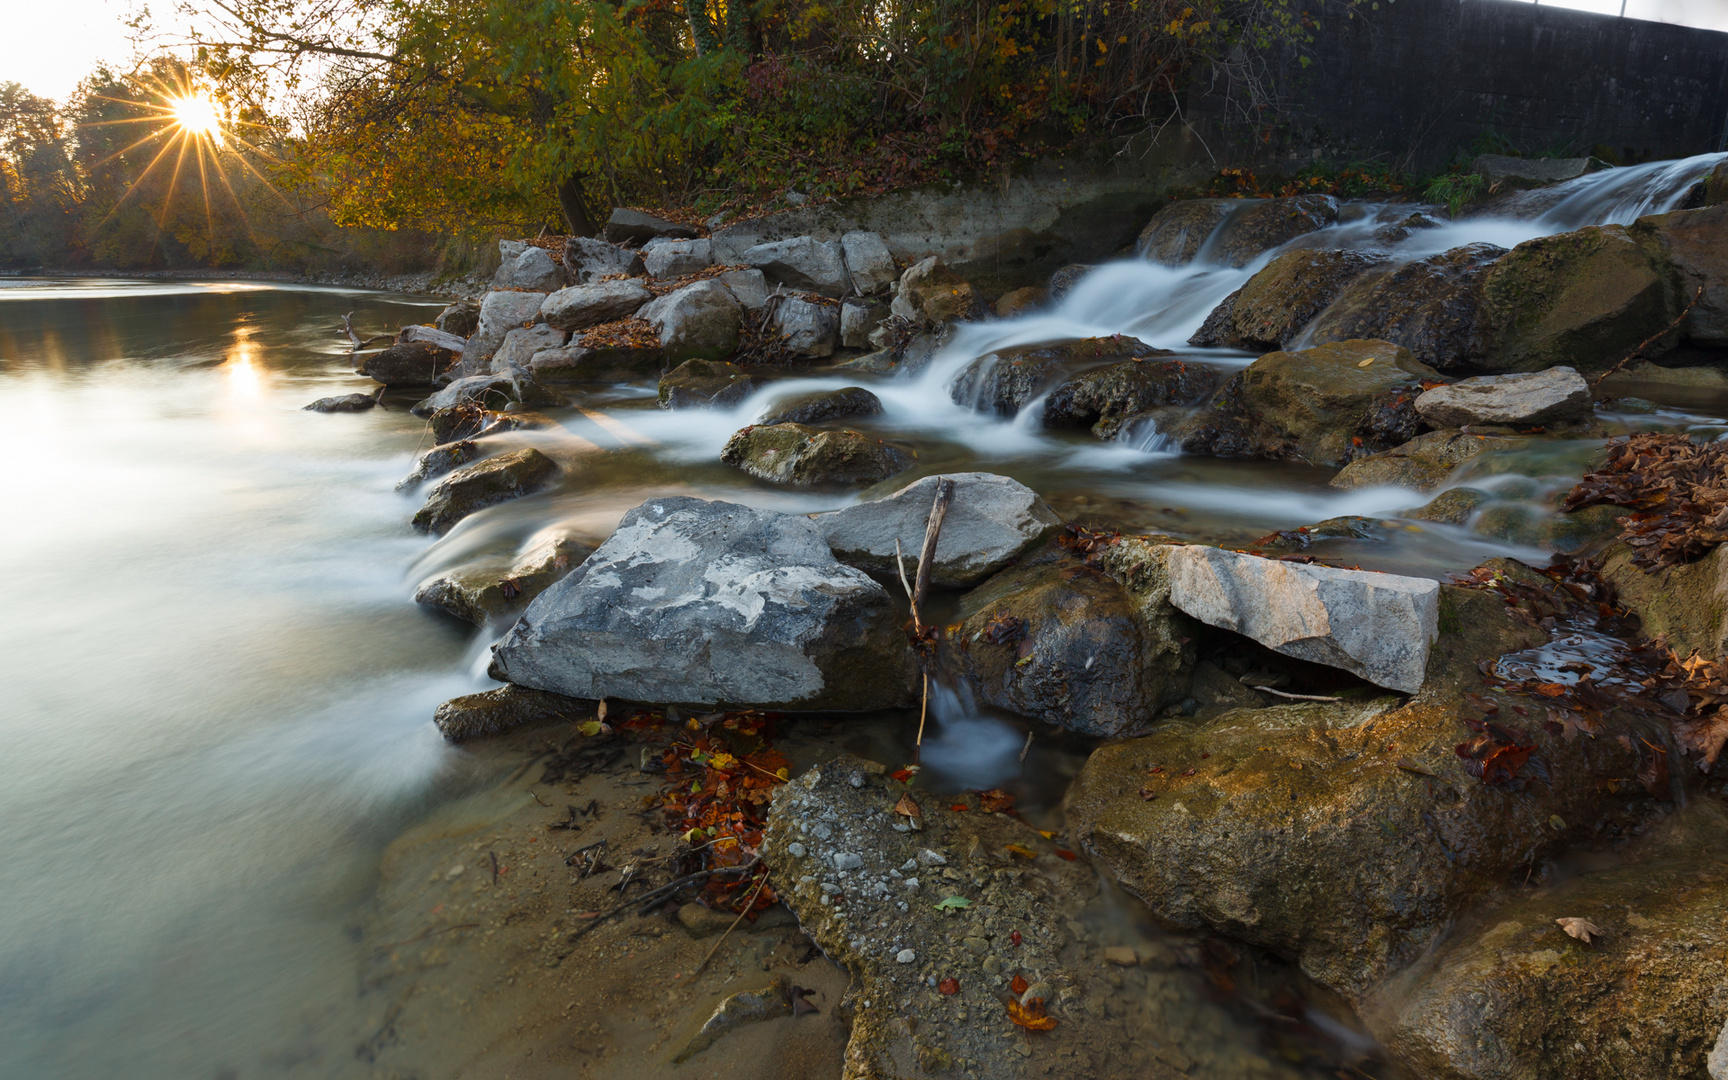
x=1031, y=1016
x=1366, y=362
x=948, y=987
x=1582, y=929
x=907, y=808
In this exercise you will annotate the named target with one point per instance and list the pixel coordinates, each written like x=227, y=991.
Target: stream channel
x=218, y=691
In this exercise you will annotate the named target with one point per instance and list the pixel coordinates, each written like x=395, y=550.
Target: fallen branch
x=348, y=328
x=433, y=336
x=1651, y=340
x=653, y=894
x=748, y=904
x=926, y=563
x=1294, y=697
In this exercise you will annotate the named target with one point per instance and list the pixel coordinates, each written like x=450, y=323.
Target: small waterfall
x=1143, y=435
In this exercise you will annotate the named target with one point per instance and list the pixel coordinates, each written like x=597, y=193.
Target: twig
x=1647, y=342
x=651, y=894
x=923, y=710
x=1294, y=697
x=747, y=906
x=927, y=558
x=1024, y=750
x=900, y=564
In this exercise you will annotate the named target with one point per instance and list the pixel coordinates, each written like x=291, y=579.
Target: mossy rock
x=1333, y=403
x=486, y=483
x=1430, y=306
x=797, y=455
x=1002, y=382
x=707, y=383
x=1687, y=604
x=1102, y=398
x=1276, y=303
x=1452, y=507
x=1423, y=463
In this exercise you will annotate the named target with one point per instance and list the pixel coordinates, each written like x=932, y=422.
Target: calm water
x=217, y=690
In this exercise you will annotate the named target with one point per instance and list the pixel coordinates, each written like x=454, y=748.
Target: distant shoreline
x=426, y=281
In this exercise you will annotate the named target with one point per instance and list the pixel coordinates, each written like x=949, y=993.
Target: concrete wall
x=1412, y=83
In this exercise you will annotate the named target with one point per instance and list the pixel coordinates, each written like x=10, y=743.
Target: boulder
x=800, y=456
x=532, y=270
x=1430, y=306
x=810, y=328
x=802, y=263
x=834, y=830
x=636, y=227
x=868, y=263
x=1513, y=173
x=749, y=287
x=1103, y=398
x=1062, y=282
x=702, y=383
x=1059, y=641
x=577, y=363
x=345, y=403
x=1511, y=994
x=1003, y=382
x=1583, y=298
x=1686, y=603
x=1020, y=301
x=858, y=320
x=899, y=353
x=699, y=321
x=1327, y=405
x=711, y=603
x=461, y=318
x=582, y=306
x=1378, y=627
x=1257, y=228
x=676, y=258
x=475, y=716
x=1693, y=245
x=501, y=312
x=438, y=461
x=1273, y=306
x=1348, y=835
x=486, y=483
x=514, y=384
x=469, y=420
x=823, y=405
x=589, y=259
x=413, y=363
x=520, y=345
x=991, y=521
x=1176, y=233
x=931, y=293
x=1556, y=395
x=488, y=590
x=1423, y=463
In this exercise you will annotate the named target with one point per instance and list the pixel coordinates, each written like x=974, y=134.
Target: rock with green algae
x=1687, y=603
x=1430, y=306
x=485, y=483
x=1425, y=462
x=1277, y=825
x=1512, y=995
x=796, y=455
x=1273, y=306
x=1453, y=506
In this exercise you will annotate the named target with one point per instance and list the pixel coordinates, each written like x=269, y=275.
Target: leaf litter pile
x=1677, y=488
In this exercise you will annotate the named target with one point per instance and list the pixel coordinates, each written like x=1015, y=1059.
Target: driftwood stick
x=927, y=558
x=348, y=328
x=748, y=904
x=1294, y=697
x=1651, y=340
x=433, y=336
x=660, y=891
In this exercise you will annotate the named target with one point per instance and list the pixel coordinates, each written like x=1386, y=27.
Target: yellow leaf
x=589, y=728
x=1366, y=362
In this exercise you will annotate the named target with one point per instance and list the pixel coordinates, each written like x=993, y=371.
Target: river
x=218, y=690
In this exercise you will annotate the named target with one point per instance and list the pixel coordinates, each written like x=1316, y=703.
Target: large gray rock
x=809, y=327
x=749, y=287
x=461, y=318
x=1693, y=245
x=532, y=270
x=858, y=320
x=929, y=292
x=700, y=321
x=607, y=363
x=802, y=263
x=1377, y=626
x=501, y=312
x=512, y=383
x=699, y=384
x=1718, y=1063
x=478, y=486
x=711, y=603
x=588, y=260
x=1557, y=394
x=635, y=227
x=582, y=306
x=991, y=521
x=868, y=262
x=677, y=258
x=1261, y=226
x=414, y=363
x=520, y=344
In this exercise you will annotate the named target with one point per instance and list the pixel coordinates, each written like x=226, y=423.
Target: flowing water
x=217, y=691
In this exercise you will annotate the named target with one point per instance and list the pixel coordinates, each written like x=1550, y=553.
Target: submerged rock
x=1556, y=395
x=485, y=592
x=1273, y=306
x=702, y=383
x=991, y=521
x=742, y=1007
x=1511, y=995
x=413, y=363
x=1176, y=233
x=1424, y=462
x=345, y=403
x=487, y=483
x=1103, y=398
x=710, y=603
x=1348, y=835
x=814, y=408
x=494, y=712
x=438, y=461
x=1002, y=382
x=801, y=456
x=1376, y=626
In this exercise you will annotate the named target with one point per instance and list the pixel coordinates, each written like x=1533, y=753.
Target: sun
x=196, y=115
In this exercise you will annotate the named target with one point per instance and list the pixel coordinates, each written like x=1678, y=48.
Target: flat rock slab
x=493, y=712
x=823, y=405
x=1377, y=626
x=582, y=306
x=710, y=603
x=991, y=521
x=345, y=403
x=1540, y=397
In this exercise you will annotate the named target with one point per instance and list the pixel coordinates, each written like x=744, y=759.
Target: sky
x=48, y=45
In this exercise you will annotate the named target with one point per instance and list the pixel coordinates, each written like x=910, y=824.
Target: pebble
x=796, y=850
x=847, y=860
x=905, y=956
x=909, y=864
x=1121, y=955
x=911, y=883
x=932, y=858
